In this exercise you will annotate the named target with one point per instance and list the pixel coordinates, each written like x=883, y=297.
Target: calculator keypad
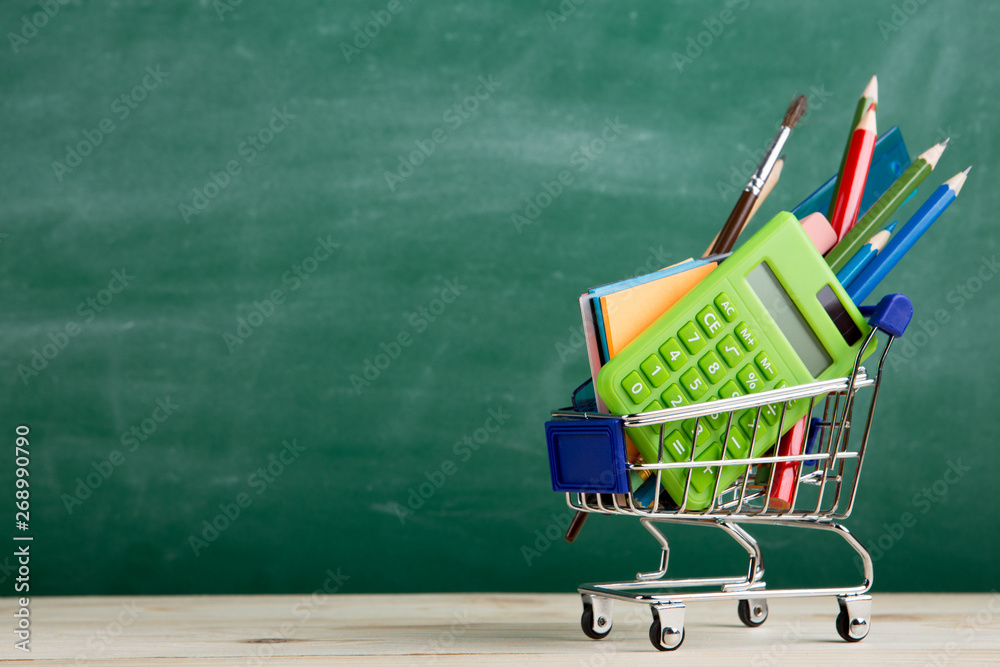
x=715, y=356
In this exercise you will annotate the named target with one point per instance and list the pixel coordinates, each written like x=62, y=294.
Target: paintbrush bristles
x=795, y=111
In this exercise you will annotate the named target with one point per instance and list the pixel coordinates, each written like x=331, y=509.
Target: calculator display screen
x=788, y=318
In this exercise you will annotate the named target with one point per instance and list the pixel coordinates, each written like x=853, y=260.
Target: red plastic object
x=786, y=474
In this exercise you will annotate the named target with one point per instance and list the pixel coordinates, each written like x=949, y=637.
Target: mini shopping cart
x=822, y=494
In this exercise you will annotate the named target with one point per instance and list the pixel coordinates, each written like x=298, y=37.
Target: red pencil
x=786, y=473
x=859, y=158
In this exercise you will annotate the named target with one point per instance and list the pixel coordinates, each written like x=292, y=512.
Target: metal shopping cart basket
x=823, y=486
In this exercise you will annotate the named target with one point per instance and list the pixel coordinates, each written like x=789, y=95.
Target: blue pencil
x=864, y=256
x=921, y=221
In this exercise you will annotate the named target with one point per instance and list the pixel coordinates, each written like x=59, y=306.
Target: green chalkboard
x=289, y=289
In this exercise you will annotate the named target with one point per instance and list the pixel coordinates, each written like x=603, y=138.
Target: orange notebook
x=629, y=312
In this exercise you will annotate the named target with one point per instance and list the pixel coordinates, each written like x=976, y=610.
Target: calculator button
x=677, y=446
x=704, y=435
x=747, y=421
x=712, y=366
x=710, y=322
x=719, y=419
x=654, y=429
x=673, y=398
x=771, y=413
x=691, y=337
x=672, y=352
x=725, y=306
x=702, y=478
x=654, y=369
x=730, y=390
x=750, y=379
x=694, y=384
x=766, y=366
x=730, y=351
x=782, y=385
x=747, y=337
x=635, y=387
x=738, y=445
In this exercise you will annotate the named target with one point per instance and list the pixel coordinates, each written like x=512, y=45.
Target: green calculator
x=771, y=315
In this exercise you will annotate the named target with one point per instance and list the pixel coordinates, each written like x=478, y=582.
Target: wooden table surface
x=488, y=629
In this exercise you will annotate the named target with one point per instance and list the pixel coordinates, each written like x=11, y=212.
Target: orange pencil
x=859, y=158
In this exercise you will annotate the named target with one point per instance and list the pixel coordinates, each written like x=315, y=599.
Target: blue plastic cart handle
x=891, y=314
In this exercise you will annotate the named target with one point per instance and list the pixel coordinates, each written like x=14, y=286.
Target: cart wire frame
x=835, y=478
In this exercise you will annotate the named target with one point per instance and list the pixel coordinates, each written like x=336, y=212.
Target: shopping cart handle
x=891, y=315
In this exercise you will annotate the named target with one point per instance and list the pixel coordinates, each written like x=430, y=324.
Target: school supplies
x=864, y=257
x=881, y=210
x=769, y=184
x=868, y=98
x=822, y=499
x=772, y=315
x=847, y=204
x=921, y=221
x=734, y=225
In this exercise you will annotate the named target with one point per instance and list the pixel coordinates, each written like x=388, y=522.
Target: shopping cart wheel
x=753, y=613
x=599, y=627
x=854, y=619
x=666, y=633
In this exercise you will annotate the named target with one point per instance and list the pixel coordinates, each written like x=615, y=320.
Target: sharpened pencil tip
x=967, y=170
x=871, y=90
x=945, y=142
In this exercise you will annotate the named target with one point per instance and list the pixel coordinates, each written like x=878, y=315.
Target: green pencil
x=868, y=98
x=885, y=207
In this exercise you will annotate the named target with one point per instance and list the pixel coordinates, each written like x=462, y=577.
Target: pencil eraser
x=820, y=231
